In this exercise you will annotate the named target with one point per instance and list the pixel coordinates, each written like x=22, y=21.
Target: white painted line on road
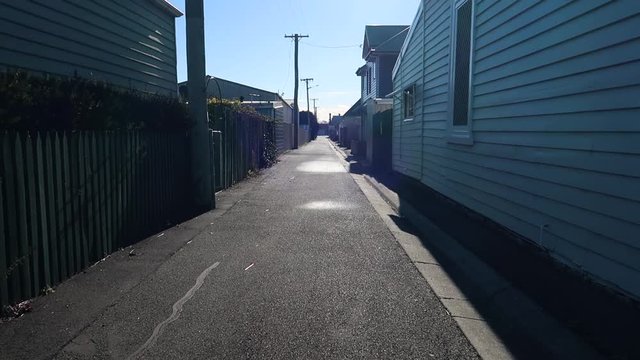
x=177, y=310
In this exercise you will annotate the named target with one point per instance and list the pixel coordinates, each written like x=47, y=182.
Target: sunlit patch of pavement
x=327, y=205
x=319, y=166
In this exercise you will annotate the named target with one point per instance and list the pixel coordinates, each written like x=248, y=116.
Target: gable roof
x=383, y=38
x=406, y=42
x=355, y=109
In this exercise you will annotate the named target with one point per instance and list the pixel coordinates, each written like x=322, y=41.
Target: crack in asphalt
x=177, y=310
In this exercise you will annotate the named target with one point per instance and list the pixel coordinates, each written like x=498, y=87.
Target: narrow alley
x=300, y=267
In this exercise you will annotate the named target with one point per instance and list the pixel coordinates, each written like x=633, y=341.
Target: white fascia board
x=406, y=41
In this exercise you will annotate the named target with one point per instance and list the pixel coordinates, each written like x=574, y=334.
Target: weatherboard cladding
x=386, y=63
x=374, y=82
x=383, y=42
x=407, y=132
x=556, y=126
x=127, y=43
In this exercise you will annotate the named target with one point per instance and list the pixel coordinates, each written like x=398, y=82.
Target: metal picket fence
x=69, y=199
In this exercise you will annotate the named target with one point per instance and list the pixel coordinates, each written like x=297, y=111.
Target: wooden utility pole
x=307, y=81
x=315, y=108
x=202, y=183
x=296, y=112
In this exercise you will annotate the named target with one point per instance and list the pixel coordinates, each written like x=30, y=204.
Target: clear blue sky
x=245, y=43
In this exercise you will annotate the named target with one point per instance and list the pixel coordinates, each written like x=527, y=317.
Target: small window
x=461, y=73
x=462, y=63
x=408, y=101
x=368, y=80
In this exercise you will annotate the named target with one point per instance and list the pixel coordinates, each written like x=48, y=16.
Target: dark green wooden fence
x=241, y=139
x=69, y=199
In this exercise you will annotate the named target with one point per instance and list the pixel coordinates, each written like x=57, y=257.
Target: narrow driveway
x=301, y=267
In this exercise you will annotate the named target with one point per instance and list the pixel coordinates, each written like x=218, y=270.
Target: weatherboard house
x=527, y=113
x=380, y=49
x=129, y=44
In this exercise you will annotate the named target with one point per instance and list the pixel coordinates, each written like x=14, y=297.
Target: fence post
x=68, y=198
x=88, y=196
x=4, y=288
x=42, y=211
x=76, y=190
x=12, y=216
x=32, y=221
x=212, y=165
x=60, y=271
x=217, y=144
x=24, y=253
x=82, y=204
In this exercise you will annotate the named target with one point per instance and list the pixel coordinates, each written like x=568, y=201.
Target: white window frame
x=403, y=102
x=461, y=134
x=373, y=65
x=369, y=80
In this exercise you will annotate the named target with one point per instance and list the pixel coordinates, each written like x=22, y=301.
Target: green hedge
x=29, y=102
x=226, y=110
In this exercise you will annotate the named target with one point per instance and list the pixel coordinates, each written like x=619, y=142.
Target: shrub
x=221, y=112
x=29, y=102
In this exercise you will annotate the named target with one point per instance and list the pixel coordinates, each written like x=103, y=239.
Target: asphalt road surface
x=302, y=267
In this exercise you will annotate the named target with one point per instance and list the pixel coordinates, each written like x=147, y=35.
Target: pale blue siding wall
x=386, y=63
x=374, y=80
x=407, y=134
x=128, y=43
x=556, y=127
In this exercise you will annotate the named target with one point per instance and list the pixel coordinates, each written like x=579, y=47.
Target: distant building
x=380, y=50
x=265, y=102
x=349, y=127
x=130, y=44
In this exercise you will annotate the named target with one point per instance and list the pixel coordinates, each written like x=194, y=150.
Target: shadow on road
x=601, y=318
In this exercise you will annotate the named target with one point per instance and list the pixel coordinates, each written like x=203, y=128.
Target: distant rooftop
x=383, y=39
x=231, y=90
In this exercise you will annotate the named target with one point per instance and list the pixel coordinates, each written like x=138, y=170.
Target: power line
x=289, y=66
x=333, y=47
x=393, y=37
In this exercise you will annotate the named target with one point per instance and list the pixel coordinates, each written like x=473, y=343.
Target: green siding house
x=528, y=113
x=380, y=49
x=127, y=43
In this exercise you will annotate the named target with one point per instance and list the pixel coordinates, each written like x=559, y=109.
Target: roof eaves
x=406, y=41
x=168, y=7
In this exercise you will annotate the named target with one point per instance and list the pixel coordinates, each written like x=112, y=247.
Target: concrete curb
x=498, y=296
